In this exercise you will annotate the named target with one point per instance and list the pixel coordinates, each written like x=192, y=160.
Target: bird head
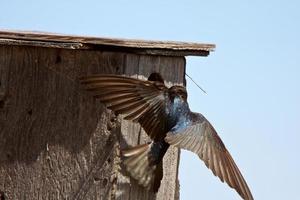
x=156, y=77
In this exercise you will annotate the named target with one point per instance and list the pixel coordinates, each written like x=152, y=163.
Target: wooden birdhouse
x=57, y=141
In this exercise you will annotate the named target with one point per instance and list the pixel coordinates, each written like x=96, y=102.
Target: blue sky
x=252, y=79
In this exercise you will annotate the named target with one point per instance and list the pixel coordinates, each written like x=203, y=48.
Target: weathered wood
x=53, y=136
x=168, y=48
x=57, y=142
x=172, y=70
x=61, y=45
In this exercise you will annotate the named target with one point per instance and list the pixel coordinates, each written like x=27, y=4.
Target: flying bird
x=165, y=116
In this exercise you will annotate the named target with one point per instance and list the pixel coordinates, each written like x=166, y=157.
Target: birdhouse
x=58, y=142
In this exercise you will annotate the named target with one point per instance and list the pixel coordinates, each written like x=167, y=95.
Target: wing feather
x=138, y=100
x=202, y=139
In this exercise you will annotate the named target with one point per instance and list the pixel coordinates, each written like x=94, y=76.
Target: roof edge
x=55, y=40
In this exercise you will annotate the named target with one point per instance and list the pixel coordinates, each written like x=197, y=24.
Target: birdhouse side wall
x=57, y=141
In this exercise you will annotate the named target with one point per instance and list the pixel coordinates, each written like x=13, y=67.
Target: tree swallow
x=165, y=116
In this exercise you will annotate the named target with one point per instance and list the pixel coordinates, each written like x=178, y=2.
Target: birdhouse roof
x=152, y=47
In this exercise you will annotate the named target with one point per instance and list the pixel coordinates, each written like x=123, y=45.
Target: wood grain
x=52, y=134
x=58, y=142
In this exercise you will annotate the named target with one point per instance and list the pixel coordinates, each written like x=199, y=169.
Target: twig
x=196, y=83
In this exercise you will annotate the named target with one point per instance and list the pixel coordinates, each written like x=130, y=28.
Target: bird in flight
x=165, y=116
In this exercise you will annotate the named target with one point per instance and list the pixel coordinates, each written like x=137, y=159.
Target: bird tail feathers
x=144, y=166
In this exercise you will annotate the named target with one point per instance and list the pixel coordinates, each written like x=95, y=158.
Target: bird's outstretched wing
x=202, y=139
x=140, y=101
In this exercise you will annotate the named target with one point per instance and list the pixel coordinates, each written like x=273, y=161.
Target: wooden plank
x=54, y=137
x=62, y=45
x=172, y=69
x=169, y=48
